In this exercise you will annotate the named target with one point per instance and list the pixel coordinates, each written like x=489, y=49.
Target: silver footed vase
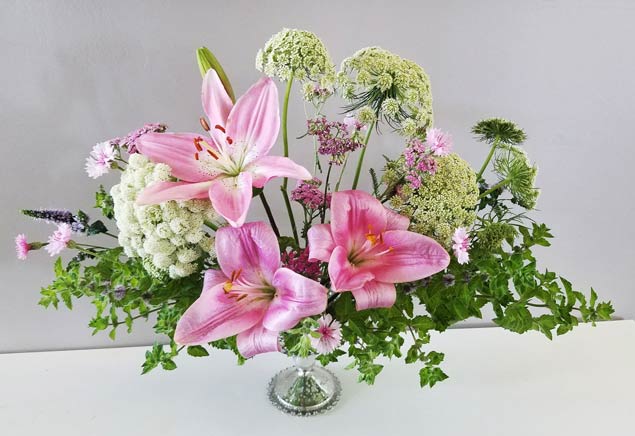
x=304, y=389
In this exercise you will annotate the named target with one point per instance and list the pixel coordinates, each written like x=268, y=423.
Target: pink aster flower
x=251, y=296
x=232, y=161
x=440, y=143
x=22, y=247
x=100, y=158
x=368, y=249
x=58, y=241
x=329, y=333
x=461, y=245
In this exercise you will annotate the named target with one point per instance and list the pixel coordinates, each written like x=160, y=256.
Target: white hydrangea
x=168, y=237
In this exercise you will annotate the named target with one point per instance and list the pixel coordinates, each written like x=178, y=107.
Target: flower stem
x=487, y=160
x=361, y=155
x=339, y=179
x=265, y=205
x=326, y=190
x=285, y=145
x=211, y=225
x=494, y=188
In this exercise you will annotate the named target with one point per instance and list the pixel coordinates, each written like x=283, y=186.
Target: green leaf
x=207, y=61
x=197, y=351
x=431, y=375
x=96, y=228
x=168, y=365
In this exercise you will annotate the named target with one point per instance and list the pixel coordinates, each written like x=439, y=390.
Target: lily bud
x=207, y=61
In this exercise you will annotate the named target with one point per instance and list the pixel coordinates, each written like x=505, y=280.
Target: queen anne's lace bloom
x=395, y=88
x=167, y=236
x=444, y=201
x=298, y=54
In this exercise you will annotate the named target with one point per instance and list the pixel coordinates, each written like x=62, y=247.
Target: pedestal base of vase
x=304, y=389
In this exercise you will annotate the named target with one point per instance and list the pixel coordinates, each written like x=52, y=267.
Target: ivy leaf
x=96, y=228
x=431, y=375
x=197, y=351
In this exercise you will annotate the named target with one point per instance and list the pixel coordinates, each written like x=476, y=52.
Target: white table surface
x=500, y=384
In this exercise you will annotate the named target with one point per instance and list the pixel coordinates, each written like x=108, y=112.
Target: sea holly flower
x=100, y=159
x=59, y=240
x=461, y=245
x=369, y=249
x=327, y=336
x=251, y=296
x=234, y=159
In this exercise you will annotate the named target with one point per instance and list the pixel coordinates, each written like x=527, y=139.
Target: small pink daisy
x=440, y=143
x=22, y=247
x=329, y=333
x=99, y=160
x=461, y=245
x=58, y=241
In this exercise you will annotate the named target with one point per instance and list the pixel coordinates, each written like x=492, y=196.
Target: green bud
x=206, y=62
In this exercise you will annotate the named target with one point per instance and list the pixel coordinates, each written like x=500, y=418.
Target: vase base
x=304, y=392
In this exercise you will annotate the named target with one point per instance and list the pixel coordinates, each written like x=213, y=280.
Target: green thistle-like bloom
x=499, y=130
x=298, y=54
x=492, y=235
x=513, y=167
x=445, y=200
x=395, y=88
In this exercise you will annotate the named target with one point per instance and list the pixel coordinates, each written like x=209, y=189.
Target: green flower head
x=446, y=200
x=395, y=88
x=499, y=130
x=512, y=166
x=298, y=54
x=492, y=235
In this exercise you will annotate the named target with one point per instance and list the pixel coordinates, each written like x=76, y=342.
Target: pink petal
x=354, y=214
x=344, y=275
x=412, y=257
x=215, y=316
x=214, y=277
x=375, y=294
x=252, y=249
x=395, y=221
x=231, y=197
x=255, y=118
x=165, y=191
x=176, y=150
x=321, y=243
x=216, y=104
x=257, y=340
x=296, y=297
x=267, y=167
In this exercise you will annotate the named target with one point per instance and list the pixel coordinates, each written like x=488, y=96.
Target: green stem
x=265, y=205
x=494, y=188
x=211, y=225
x=326, y=190
x=285, y=145
x=339, y=179
x=487, y=160
x=358, y=170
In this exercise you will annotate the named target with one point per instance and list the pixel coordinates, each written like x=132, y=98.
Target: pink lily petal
x=216, y=104
x=165, y=191
x=214, y=277
x=375, y=294
x=344, y=275
x=296, y=297
x=412, y=257
x=252, y=249
x=176, y=150
x=257, y=340
x=267, y=167
x=231, y=197
x=255, y=119
x=321, y=243
x=215, y=315
x=396, y=221
x=354, y=214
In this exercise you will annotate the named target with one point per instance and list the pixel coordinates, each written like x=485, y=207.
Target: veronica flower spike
x=232, y=160
x=369, y=249
x=251, y=296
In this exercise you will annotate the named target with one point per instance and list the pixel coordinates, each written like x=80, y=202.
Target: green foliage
x=104, y=202
x=499, y=130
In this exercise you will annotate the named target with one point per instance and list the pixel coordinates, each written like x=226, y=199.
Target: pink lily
x=251, y=296
x=369, y=249
x=234, y=159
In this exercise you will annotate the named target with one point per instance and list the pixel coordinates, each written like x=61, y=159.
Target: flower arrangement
x=362, y=275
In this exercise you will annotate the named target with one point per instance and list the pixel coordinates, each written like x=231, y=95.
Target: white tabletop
x=500, y=384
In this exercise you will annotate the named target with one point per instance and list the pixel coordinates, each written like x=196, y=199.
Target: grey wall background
x=78, y=72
